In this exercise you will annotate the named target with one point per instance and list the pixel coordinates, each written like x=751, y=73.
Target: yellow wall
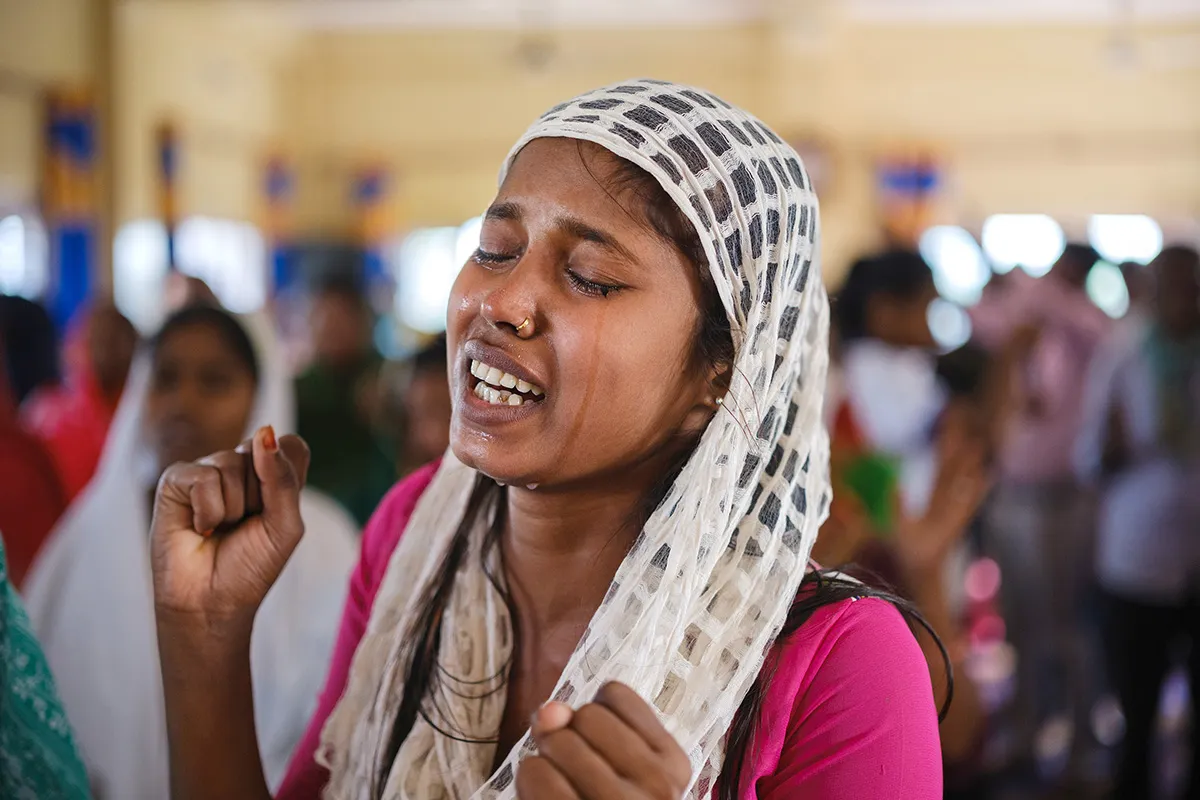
x=1029, y=118
x=42, y=43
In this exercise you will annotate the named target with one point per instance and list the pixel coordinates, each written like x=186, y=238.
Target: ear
x=710, y=396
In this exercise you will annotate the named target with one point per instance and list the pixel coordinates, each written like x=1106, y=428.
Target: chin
x=486, y=455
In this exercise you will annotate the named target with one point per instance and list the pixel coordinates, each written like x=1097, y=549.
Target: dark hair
x=899, y=274
x=431, y=357
x=30, y=346
x=425, y=680
x=965, y=370
x=220, y=322
x=343, y=286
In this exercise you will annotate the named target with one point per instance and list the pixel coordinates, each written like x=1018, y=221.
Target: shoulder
x=842, y=645
x=850, y=709
x=387, y=524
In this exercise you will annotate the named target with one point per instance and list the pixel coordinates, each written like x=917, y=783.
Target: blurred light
x=982, y=580
x=230, y=256
x=1106, y=287
x=1125, y=237
x=949, y=324
x=425, y=271
x=24, y=268
x=139, y=268
x=1031, y=241
x=959, y=268
x=468, y=240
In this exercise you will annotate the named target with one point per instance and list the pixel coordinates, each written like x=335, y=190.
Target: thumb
x=281, y=467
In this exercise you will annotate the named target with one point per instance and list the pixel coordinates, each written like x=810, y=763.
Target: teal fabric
x=38, y=758
x=1175, y=364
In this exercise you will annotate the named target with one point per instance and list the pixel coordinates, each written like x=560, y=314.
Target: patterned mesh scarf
x=707, y=585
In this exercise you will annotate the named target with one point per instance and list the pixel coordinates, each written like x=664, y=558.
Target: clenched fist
x=225, y=526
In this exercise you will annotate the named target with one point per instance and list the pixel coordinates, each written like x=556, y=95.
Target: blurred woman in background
x=200, y=388
x=908, y=456
x=31, y=494
x=73, y=418
x=1140, y=439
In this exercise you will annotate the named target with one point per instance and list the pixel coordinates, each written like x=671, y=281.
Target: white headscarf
x=707, y=585
x=90, y=598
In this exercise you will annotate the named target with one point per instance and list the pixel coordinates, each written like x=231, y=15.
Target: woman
x=621, y=526
x=1140, y=435
x=73, y=418
x=199, y=389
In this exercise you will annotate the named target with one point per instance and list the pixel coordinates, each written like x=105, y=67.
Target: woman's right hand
x=223, y=529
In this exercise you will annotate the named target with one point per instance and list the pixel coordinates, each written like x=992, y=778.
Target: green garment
x=350, y=461
x=38, y=759
x=1175, y=365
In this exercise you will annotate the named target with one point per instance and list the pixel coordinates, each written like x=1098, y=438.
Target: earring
x=720, y=401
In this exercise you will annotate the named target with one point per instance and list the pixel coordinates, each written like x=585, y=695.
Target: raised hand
x=613, y=747
x=225, y=526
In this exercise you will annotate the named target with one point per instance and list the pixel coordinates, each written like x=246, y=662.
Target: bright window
x=959, y=268
x=228, y=255
x=1030, y=241
x=1125, y=237
x=24, y=267
x=426, y=263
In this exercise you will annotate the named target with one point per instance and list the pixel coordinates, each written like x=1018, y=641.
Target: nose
x=513, y=301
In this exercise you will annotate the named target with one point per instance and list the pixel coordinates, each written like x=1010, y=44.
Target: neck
x=577, y=534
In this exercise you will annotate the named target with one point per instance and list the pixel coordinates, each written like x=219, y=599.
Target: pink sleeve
x=305, y=778
x=850, y=712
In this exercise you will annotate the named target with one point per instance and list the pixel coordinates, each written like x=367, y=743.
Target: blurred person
x=40, y=759
x=31, y=347
x=1040, y=525
x=1140, y=439
x=622, y=524
x=202, y=385
x=73, y=418
x=908, y=456
x=427, y=406
x=337, y=402
x=31, y=496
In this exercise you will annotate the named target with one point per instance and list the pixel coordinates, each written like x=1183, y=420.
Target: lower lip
x=477, y=409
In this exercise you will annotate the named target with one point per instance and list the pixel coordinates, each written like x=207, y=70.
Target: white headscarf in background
x=91, y=601
x=706, y=587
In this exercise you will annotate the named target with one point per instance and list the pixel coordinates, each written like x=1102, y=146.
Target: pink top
x=1042, y=435
x=849, y=714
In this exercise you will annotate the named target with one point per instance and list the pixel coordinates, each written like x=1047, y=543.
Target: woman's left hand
x=613, y=747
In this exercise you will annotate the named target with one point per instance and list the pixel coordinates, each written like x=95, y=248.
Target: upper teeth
x=502, y=380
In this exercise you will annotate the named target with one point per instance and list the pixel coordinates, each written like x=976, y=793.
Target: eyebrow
x=573, y=226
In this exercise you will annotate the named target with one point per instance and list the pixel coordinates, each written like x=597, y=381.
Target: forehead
x=569, y=171
x=195, y=343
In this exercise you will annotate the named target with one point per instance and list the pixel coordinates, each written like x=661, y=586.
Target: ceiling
x=689, y=13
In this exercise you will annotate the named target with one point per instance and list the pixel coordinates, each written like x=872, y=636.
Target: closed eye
x=591, y=288
x=482, y=256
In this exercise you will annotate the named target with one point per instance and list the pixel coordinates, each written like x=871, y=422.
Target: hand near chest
x=613, y=747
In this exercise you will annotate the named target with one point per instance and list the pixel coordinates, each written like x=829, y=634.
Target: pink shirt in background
x=1042, y=434
x=849, y=713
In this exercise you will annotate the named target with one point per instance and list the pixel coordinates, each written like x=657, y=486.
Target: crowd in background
x=1031, y=493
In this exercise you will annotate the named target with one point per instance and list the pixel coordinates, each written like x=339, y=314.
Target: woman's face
x=200, y=396
x=613, y=309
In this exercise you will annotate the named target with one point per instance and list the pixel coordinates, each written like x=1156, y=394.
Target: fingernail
x=207, y=534
x=268, y=437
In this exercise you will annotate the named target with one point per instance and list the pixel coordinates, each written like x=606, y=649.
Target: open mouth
x=499, y=388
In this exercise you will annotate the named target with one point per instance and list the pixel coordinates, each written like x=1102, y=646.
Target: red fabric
x=849, y=712
x=73, y=422
x=31, y=498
